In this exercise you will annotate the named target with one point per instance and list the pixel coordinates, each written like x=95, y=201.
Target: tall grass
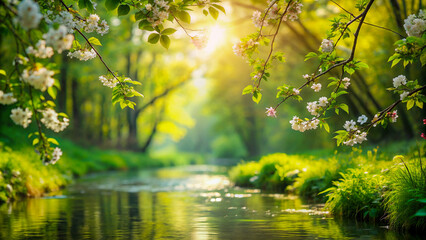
x=406, y=200
x=359, y=194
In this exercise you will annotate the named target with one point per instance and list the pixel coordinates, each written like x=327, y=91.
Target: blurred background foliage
x=193, y=100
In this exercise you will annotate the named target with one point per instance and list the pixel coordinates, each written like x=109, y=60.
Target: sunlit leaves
x=213, y=12
x=112, y=4
x=123, y=10
x=168, y=31
x=165, y=41
x=153, y=38
x=183, y=16
x=86, y=4
x=93, y=41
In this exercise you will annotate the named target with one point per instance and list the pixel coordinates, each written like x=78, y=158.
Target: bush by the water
x=364, y=186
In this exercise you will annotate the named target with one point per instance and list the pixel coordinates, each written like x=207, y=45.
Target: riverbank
x=371, y=185
x=22, y=173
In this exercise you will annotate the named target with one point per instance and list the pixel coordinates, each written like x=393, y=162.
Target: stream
x=194, y=202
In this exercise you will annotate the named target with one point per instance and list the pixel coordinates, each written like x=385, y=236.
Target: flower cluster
x=415, y=25
x=327, y=45
x=92, y=24
x=350, y=126
x=393, y=116
x=29, y=15
x=159, y=12
x=356, y=137
x=313, y=107
x=240, y=47
x=400, y=80
x=293, y=11
x=83, y=54
x=56, y=155
x=346, y=82
x=40, y=78
x=301, y=126
x=21, y=116
x=108, y=81
x=41, y=51
x=51, y=121
x=200, y=40
x=59, y=38
x=7, y=98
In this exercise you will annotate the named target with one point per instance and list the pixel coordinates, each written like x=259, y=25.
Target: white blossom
x=356, y=138
x=400, y=80
x=59, y=38
x=346, y=82
x=403, y=95
x=29, y=15
x=316, y=87
x=21, y=116
x=56, y=155
x=7, y=98
x=296, y=91
x=362, y=119
x=327, y=45
x=323, y=101
x=313, y=108
x=51, y=121
x=108, y=81
x=301, y=126
x=293, y=11
x=40, y=78
x=41, y=51
x=415, y=26
x=350, y=125
x=83, y=54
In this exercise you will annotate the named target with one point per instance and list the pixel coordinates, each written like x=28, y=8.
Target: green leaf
x=183, y=16
x=214, y=12
x=410, y=104
x=53, y=92
x=168, y=31
x=3, y=72
x=248, y=90
x=95, y=41
x=52, y=140
x=128, y=80
x=35, y=141
x=82, y=4
x=222, y=9
x=153, y=38
x=310, y=55
x=257, y=96
x=420, y=213
x=419, y=104
x=111, y=4
x=123, y=10
x=344, y=107
x=139, y=15
x=165, y=41
x=423, y=58
x=326, y=127
x=396, y=61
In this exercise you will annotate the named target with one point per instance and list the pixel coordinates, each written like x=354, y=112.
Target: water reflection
x=180, y=203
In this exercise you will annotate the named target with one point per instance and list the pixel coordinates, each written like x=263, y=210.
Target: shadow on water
x=195, y=202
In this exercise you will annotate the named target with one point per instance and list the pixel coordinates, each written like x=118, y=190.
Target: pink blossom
x=271, y=112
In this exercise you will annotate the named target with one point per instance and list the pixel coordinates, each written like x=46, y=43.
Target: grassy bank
x=22, y=174
x=369, y=185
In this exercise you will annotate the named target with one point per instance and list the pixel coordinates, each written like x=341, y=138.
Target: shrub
x=406, y=200
x=358, y=194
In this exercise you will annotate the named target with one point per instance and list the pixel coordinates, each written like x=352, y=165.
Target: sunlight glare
x=216, y=38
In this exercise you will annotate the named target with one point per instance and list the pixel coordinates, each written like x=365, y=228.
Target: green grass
x=406, y=200
x=363, y=184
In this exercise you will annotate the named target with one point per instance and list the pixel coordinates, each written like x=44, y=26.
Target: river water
x=196, y=202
